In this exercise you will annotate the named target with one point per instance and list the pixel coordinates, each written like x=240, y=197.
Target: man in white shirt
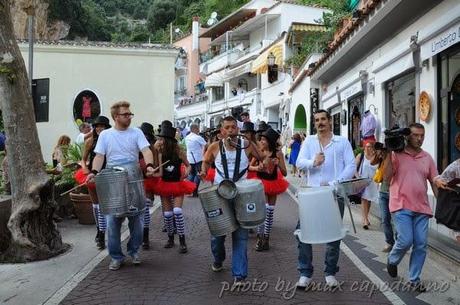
x=195, y=145
x=119, y=146
x=327, y=159
x=85, y=132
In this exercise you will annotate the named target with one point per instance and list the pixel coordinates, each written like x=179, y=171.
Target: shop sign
x=349, y=92
x=441, y=42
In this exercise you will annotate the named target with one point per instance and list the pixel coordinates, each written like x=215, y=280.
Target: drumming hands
x=441, y=183
x=149, y=171
x=90, y=178
x=319, y=159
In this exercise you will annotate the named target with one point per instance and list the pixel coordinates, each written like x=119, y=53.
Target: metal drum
x=218, y=211
x=319, y=214
x=120, y=190
x=250, y=203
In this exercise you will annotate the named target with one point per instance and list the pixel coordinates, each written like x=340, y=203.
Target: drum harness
x=236, y=174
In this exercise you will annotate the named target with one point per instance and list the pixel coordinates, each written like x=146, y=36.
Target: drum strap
x=236, y=174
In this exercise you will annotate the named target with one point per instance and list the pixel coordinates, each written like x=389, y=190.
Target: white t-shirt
x=121, y=146
x=195, y=144
x=80, y=138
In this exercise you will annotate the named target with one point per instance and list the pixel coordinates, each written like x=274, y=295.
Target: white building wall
x=144, y=77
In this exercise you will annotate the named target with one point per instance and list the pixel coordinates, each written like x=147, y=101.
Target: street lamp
x=271, y=59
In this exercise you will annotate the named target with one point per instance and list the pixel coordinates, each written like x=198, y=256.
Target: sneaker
x=238, y=282
x=392, y=269
x=387, y=248
x=418, y=287
x=303, y=282
x=136, y=260
x=217, y=267
x=115, y=264
x=331, y=281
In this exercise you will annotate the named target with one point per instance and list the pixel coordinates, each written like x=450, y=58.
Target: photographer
x=408, y=170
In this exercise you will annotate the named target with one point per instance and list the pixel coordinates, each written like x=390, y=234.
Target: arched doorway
x=300, y=119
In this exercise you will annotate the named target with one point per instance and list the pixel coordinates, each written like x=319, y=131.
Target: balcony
x=199, y=98
x=248, y=98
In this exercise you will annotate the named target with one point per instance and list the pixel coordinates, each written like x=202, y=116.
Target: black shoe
x=182, y=246
x=145, y=241
x=101, y=241
x=417, y=287
x=170, y=242
x=266, y=243
x=96, y=238
x=217, y=267
x=260, y=243
x=392, y=269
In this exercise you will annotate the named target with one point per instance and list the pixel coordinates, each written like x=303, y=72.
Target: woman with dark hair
x=270, y=172
x=172, y=185
x=100, y=123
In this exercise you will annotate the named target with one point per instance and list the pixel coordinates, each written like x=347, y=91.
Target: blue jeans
x=412, y=228
x=305, y=257
x=239, y=251
x=114, y=235
x=385, y=216
x=193, y=176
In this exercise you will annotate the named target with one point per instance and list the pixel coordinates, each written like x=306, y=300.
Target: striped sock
x=96, y=214
x=101, y=220
x=270, y=209
x=180, y=221
x=148, y=204
x=168, y=219
x=260, y=229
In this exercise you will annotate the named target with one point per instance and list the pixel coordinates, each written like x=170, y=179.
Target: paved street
x=166, y=277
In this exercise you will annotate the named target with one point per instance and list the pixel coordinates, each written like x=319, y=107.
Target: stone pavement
x=166, y=277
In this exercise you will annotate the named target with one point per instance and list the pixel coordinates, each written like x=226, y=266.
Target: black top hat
x=248, y=127
x=263, y=127
x=166, y=123
x=102, y=120
x=168, y=132
x=271, y=134
x=147, y=129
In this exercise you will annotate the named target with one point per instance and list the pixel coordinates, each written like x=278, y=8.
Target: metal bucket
x=120, y=190
x=250, y=203
x=218, y=211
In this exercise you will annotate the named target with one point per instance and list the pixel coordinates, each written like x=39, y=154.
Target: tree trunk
x=34, y=235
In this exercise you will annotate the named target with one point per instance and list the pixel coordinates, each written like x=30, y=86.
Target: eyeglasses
x=126, y=115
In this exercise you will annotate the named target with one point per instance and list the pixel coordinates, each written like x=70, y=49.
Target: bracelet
x=149, y=165
x=95, y=172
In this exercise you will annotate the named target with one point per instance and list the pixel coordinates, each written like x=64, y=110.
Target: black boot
x=96, y=238
x=183, y=246
x=266, y=243
x=146, y=242
x=170, y=242
x=260, y=243
x=101, y=241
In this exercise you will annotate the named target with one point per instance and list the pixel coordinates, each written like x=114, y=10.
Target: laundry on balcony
x=260, y=64
x=215, y=79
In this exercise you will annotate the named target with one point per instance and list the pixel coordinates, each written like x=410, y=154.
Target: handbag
x=448, y=208
x=378, y=176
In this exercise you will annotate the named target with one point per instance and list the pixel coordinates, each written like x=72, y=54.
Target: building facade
x=77, y=81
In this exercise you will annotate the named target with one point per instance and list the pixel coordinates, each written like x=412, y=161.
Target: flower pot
x=83, y=208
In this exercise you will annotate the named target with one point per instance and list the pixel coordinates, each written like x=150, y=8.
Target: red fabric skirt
x=80, y=177
x=151, y=185
x=275, y=187
x=210, y=175
x=175, y=189
x=252, y=175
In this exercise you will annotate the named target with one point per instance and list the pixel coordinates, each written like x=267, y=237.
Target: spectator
x=85, y=133
x=295, y=148
x=60, y=151
x=195, y=145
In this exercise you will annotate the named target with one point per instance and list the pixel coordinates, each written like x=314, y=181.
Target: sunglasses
x=126, y=115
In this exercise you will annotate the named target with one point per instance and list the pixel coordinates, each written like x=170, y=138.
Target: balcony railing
x=199, y=98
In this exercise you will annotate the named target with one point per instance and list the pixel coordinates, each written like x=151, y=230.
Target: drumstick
x=73, y=189
x=158, y=167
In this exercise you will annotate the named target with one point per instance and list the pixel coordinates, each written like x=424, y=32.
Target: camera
x=395, y=138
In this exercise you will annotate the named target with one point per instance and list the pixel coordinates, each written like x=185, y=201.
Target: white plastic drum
x=319, y=214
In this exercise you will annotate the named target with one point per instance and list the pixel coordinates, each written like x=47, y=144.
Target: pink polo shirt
x=408, y=187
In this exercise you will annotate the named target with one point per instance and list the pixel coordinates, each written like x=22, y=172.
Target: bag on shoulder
x=378, y=176
x=448, y=208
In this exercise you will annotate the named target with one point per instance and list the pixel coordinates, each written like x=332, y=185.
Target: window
x=218, y=93
x=272, y=73
x=242, y=83
x=401, y=100
x=86, y=107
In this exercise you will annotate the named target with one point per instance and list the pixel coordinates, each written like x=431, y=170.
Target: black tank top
x=92, y=154
x=269, y=176
x=171, y=170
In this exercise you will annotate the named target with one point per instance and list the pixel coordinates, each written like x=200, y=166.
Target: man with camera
x=408, y=167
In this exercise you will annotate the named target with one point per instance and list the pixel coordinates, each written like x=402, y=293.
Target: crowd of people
x=173, y=171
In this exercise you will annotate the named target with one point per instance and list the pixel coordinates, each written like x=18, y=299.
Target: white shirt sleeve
x=304, y=160
x=141, y=140
x=101, y=145
x=349, y=160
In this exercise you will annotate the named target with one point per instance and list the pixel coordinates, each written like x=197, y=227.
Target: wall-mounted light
x=414, y=46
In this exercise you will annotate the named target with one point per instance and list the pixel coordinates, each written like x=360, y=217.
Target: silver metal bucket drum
x=120, y=190
x=218, y=211
x=250, y=203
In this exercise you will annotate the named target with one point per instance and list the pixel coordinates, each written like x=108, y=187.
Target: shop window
x=86, y=107
x=355, y=111
x=401, y=100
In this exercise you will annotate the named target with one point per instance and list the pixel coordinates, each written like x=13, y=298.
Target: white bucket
x=319, y=214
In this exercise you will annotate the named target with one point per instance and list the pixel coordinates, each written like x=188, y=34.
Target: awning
x=215, y=79
x=237, y=71
x=259, y=65
x=298, y=32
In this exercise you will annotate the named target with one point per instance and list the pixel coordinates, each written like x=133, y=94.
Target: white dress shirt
x=339, y=161
x=195, y=144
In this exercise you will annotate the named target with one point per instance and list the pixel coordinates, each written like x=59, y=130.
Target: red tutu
x=151, y=184
x=175, y=189
x=252, y=175
x=210, y=175
x=80, y=177
x=275, y=187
